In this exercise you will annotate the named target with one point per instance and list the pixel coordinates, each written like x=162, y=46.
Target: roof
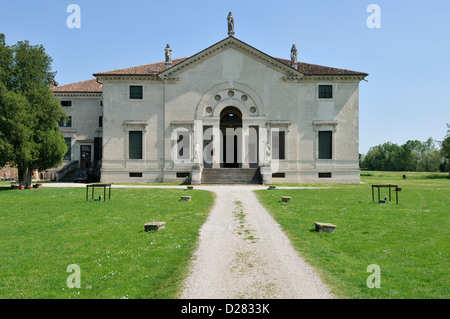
x=159, y=68
x=314, y=69
x=146, y=69
x=89, y=86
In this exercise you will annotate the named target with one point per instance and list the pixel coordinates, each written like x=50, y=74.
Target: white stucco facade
x=261, y=95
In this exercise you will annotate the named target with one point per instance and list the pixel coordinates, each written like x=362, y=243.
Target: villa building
x=229, y=110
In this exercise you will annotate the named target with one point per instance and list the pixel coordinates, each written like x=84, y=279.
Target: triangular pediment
x=227, y=43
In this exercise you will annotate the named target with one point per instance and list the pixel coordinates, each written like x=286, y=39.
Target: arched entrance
x=231, y=128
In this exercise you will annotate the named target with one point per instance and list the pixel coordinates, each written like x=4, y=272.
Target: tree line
x=414, y=156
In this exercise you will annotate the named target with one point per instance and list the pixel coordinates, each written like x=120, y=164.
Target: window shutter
x=325, y=145
x=135, y=145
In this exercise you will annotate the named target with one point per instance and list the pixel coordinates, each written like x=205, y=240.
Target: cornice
x=77, y=94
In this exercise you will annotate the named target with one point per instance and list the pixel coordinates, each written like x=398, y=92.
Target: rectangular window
x=100, y=121
x=183, y=145
x=136, y=92
x=325, y=144
x=135, y=174
x=97, y=149
x=66, y=103
x=325, y=91
x=68, y=155
x=278, y=145
x=66, y=122
x=324, y=175
x=135, y=145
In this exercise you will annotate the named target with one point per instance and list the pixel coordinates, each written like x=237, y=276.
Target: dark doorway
x=85, y=156
x=231, y=128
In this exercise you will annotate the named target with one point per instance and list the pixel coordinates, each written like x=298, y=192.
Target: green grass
x=43, y=231
x=408, y=241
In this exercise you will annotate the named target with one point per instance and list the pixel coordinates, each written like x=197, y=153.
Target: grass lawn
x=408, y=241
x=43, y=231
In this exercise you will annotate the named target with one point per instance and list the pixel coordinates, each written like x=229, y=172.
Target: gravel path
x=243, y=253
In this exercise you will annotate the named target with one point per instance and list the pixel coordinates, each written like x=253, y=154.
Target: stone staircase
x=231, y=176
x=66, y=172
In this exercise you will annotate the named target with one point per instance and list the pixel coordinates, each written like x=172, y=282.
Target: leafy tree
x=411, y=156
x=29, y=134
x=445, y=147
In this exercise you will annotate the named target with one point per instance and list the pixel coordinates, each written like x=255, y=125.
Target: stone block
x=285, y=199
x=324, y=227
x=154, y=226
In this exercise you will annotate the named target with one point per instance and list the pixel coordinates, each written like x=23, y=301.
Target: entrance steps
x=231, y=176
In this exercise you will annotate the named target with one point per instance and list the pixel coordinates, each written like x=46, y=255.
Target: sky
x=404, y=46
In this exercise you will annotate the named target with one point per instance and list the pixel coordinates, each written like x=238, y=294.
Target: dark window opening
x=278, y=145
x=135, y=145
x=183, y=174
x=68, y=155
x=66, y=103
x=325, y=145
x=100, y=121
x=324, y=175
x=279, y=175
x=325, y=91
x=136, y=92
x=135, y=174
x=183, y=145
x=66, y=122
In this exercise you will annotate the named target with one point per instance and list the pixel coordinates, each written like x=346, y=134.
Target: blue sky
x=407, y=95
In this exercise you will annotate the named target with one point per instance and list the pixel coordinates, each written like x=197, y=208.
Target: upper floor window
x=325, y=91
x=66, y=122
x=136, y=92
x=66, y=103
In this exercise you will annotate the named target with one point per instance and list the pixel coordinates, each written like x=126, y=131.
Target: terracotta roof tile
x=156, y=68
x=314, y=69
x=92, y=86
x=89, y=86
x=146, y=69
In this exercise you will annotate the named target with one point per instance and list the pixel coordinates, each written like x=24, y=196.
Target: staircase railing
x=69, y=167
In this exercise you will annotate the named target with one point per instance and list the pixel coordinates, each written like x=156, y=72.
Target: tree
x=445, y=147
x=29, y=134
x=411, y=156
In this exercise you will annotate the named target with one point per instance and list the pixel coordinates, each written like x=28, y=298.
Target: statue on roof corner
x=294, y=54
x=230, y=24
x=168, y=53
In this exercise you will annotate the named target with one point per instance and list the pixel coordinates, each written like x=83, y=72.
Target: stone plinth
x=324, y=227
x=154, y=226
